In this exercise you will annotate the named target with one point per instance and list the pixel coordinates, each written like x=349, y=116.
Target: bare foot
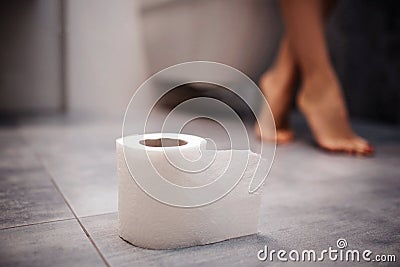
x=322, y=103
x=277, y=89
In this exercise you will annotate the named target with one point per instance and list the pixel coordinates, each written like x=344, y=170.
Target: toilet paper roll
x=161, y=175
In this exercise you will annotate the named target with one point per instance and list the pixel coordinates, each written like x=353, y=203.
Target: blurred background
x=68, y=69
x=69, y=55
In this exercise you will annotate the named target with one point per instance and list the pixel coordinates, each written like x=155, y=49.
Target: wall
x=103, y=55
x=30, y=76
x=365, y=42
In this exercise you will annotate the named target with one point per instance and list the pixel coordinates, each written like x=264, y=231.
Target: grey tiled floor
x=58, y=198
x=61, y=243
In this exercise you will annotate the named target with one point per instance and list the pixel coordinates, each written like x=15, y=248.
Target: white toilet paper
x=154, y=214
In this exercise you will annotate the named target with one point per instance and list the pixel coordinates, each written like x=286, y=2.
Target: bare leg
x=320, y=98
x=277, y=86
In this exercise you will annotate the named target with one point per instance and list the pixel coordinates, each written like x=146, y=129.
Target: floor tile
x=234, y=252
x=81, y=159
x=310, y=199
x=27, y=194
x=14, y=152
x=60, y=243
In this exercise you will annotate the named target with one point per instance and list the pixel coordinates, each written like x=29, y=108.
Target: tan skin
x=303, y=54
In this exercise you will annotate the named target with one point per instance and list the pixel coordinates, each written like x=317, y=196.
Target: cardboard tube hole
x=162, y=142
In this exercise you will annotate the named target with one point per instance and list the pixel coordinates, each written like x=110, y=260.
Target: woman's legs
x=277, y=86
x=320, y=98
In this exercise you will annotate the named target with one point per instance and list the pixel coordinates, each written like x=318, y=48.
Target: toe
x=284, y=136
x=352, y=146
x=280, y=136
x=362, y=147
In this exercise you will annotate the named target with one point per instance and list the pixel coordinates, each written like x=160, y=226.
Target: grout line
x=100, y=214
x=66, y=201
x=38, y=223
x=79, y=221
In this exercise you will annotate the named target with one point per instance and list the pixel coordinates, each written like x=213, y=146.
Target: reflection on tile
x=90, y=186
x=14, y=152
x=81, y=159
x=60, y=243
x=234, y=252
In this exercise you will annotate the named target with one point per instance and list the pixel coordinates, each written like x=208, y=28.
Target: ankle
x=321, y=92
x=279, y=75
x=320, y=81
